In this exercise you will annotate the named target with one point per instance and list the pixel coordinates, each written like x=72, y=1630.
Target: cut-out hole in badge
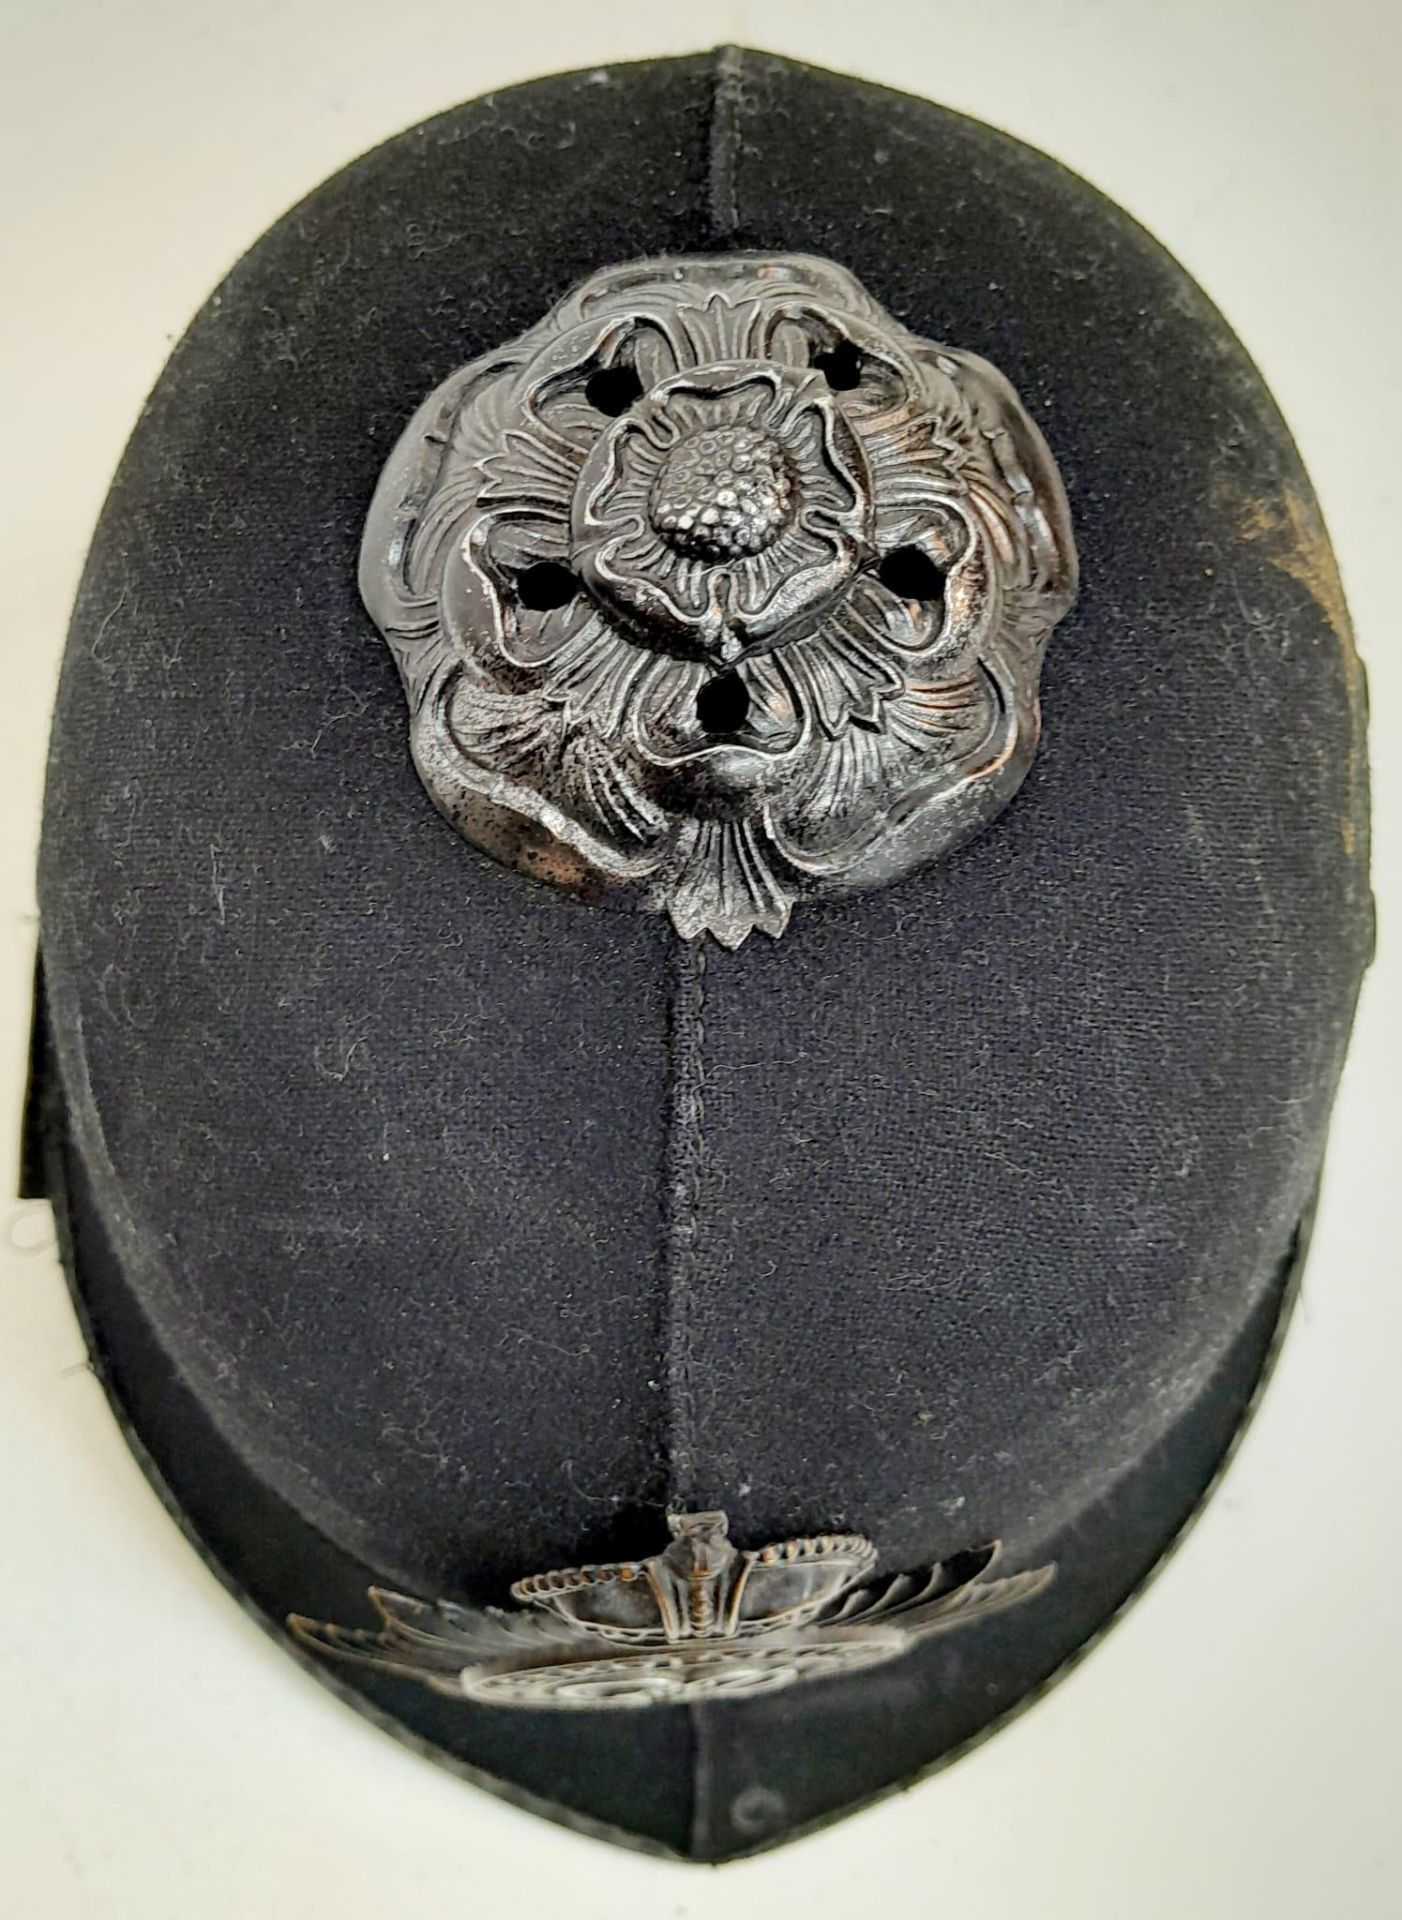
x=723, y=705
x=912, y=573
x=612, y=390
x=545, y=585
x=840, y=366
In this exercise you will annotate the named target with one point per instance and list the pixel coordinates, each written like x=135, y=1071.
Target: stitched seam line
x=725, y=144
x=688, y=1028
x=685, y=1122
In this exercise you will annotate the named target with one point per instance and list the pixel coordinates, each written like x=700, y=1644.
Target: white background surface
x=1234, y=1748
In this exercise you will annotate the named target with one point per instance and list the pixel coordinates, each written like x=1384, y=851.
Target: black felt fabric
x=380, y=1126
x=995, y=1162
x=987, y=1172
x=707, y=1783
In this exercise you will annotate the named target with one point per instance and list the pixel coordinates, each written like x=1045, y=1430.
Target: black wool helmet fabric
x=484, y=1224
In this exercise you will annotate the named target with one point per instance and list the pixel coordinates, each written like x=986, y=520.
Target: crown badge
x=702, y=1619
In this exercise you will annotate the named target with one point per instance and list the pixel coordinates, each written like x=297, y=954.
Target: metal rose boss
x=719, y=589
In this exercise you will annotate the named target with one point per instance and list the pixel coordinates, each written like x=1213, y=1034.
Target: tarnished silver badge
x=719, y=588
x=701, y=1619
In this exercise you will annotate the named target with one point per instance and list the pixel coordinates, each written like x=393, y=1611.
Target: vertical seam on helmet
x=725, y=144
x=688, y=1029
x=685, y=1128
